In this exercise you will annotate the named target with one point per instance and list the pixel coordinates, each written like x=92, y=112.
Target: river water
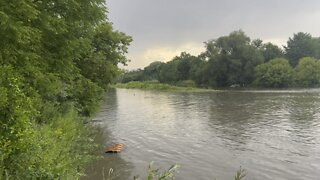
x=271, y=134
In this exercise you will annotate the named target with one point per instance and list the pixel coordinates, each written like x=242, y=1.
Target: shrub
x=307, y=73
x=276, y=73
x=186, y=83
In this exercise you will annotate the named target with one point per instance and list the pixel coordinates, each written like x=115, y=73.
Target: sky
x=162, y=29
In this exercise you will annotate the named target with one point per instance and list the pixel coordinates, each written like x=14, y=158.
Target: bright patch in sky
x=164, y=53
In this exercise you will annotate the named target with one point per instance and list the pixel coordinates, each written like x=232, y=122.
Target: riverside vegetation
x=156, y=85
x=237, y=61
x=58, y=57
x=56, y=60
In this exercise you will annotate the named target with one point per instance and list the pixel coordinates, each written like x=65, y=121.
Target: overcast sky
x=161, y=29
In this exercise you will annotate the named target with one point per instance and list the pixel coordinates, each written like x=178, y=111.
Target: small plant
x=241, y=173
x=156, y=174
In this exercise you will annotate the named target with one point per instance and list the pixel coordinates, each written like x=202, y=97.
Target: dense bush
x=275, y=73
x=307, y=72
x=56, y=60
x=186, y=83
x=155, y=85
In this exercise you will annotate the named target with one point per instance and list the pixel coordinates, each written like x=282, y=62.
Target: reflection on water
x=273, y=134
x=108, y=165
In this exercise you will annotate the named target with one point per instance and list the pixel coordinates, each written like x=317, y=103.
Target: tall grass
x=59, y=150
x=155, y=85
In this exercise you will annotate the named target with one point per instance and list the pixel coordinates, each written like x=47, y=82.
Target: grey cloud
x=173, y=22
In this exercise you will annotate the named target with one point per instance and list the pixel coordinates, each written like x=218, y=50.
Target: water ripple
x=273, y=134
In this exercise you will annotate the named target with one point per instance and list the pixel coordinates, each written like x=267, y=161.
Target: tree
x=168, y=72
x=301, y=45
x=133, y=75
x=258, y=43
x=152, y=72
x=233, y=60
x=56, y=57
x=276, y=73
x=271, y=51
x=307, y=72
x=108, y=49
x=183, y=67
x=197, y=71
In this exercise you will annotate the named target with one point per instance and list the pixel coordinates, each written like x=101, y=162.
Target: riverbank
x=154, y=85
x=157, y=86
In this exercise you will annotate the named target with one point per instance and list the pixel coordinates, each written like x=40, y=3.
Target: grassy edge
x=150, y=85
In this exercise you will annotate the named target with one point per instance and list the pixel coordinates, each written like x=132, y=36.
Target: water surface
x=272, y=134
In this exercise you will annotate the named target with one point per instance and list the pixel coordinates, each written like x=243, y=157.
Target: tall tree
x=184, y=65
x=108, y=48
x=233, y=59
x=168, y=72
x=271, y=51
x=301, y=45
x=55, y=59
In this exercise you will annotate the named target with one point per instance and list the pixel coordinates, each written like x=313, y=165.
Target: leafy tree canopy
x=307, y=72
x=301, y=45
x=233, y=59
x=56, y=58
x=276, y=73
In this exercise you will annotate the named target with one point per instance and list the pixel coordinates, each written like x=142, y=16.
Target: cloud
x=167, y=53
x=163, y=53
x=161, y=28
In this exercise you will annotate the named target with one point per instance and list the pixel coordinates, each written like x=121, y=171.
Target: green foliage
x=307, y=72
x=197, y=71
x=152, y=72
x=271, y=51
x=169, y=72
x=16, y=129
x=52, y=151
x=276, y=73
x=232, y=60
x=107, y=50
x=184, y=65
x=135, y=75
x=56, y=58
x=301, y=45
x=180, y=68
x=63, y=149
x=241, y=173
x=156, y=174
x=146, y=85
x=186, y=83
x=155, y=85
x=86, y=95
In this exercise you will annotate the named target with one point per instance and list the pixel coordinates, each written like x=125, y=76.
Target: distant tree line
x=236, y=60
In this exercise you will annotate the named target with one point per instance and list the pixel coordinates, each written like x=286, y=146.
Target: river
x=271, y=134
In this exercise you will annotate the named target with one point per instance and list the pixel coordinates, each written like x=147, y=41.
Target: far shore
x=152, y=85
x=157, y=86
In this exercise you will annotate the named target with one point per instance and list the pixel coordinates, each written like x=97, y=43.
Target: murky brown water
x=272, y=134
